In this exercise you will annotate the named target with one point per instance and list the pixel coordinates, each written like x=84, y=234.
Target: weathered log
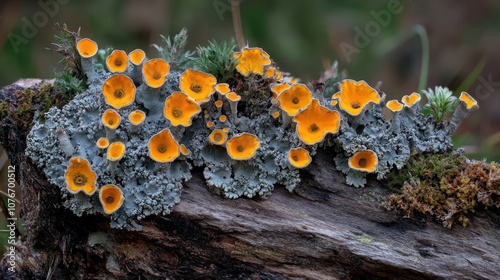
x=324, y=230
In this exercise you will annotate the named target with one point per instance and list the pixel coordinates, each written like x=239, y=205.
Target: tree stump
x=324, y=230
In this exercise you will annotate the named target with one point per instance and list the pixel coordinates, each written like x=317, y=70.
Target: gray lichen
x=151, y=186
x=148, y=188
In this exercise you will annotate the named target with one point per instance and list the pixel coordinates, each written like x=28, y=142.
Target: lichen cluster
x=141, y=125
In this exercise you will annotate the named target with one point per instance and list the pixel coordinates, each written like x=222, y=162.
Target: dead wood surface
x=324, y=230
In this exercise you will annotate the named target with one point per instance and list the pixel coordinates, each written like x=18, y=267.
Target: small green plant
x=68, y=85
x=66, y=46
x=101, y=57
x=174, y=52
x=218, y=60
x=440, y=102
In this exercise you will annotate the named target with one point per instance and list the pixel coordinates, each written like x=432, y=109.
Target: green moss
x=427, y=167
x=445, y=187
x=3, y=109
x=44, y=96
x=364, y=238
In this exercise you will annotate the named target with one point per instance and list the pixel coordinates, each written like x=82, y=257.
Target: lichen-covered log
x=324, y=230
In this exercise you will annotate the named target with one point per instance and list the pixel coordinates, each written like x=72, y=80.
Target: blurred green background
x=301, y=36
x=372, y=40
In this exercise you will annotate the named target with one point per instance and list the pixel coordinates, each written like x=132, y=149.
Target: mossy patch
x=446, y=187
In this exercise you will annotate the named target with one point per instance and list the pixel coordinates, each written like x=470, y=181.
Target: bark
x=324, y=230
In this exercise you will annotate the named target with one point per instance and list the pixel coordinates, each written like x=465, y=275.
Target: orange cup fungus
x=137, y=117
x=79, y=177
x=197, y=85
x=243, y=146
x=180, y=109
x=394, y=106
x=365, y=161
x=218, y=137
x=297, y=97
x=163, y=147
x=315, y=122
x=111, y=119
x=86, y=48
x=119, y=91
x=410, y=100
x=252, y=60
x=116, y=151
x=273, y=73
x=154, y=72
x=299, y=157
x=218, y=103
x=233, y=102
x=354, y=96
x=468, y=102
x=137, y=56
x=222, y=118
x=232, y=96
x=277, y=89
x=222, y=88
x=111, y=198
x=184, y=150
x=102, y=143
x=117, y=61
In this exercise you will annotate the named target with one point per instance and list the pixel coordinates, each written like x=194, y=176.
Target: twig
x=237, y=23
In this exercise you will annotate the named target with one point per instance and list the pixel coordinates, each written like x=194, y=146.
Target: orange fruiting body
x=232, y=96
x=315, y=122
x=222, y=88
x=119, y=91
x=117, y=61
x=410, y=100
x=243, y=146
x=354, y=96
x=252, y=60
x=102, y=143
x=155, y=71
x=180, y=109
x=79, y=176
x=197, y=85
x=86, y=48
x=111, y=198
x=299, y=157
x=163, y=147
x=218, y=137
x=277, y=89
x=394, y=105
x=471, y=103
x=365, y=161
x=137, y=56
x=111, y=119
x=116, y=151
x=137, y=117
x=184, y=150
x=297, y=97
